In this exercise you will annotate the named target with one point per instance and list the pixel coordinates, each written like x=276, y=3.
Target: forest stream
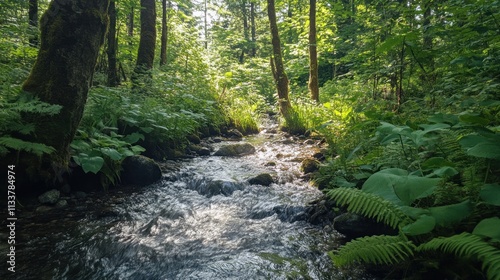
x=203, y=220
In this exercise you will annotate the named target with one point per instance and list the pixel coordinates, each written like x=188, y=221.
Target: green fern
x=20, y=145
x=11, y=123
x=371, y=206
x=467, y=245
x=381, y=249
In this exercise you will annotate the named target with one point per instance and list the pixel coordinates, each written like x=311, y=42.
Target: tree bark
x=280, y=76
x=72, y=32
x=33, y=21
x=313, y=53
x=245, y=30
x=399, y=90
x=130, y=23
x=113, y=77
x=164, y=32
x=253, y=29
x=147, y=41
x=206, y=23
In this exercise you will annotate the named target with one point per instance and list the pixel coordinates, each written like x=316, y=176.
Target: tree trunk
x=313, y=54
x=206, y=24
x=33, y=21
x=164, y=32
x=245, y=30
x=147, y=42
x=113, y=77
x=71, y=34
x=130, y=23
x=280, y=76
x=253, y=29
x=399, y=90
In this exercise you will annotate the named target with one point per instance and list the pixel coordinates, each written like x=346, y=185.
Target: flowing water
x=201, y=221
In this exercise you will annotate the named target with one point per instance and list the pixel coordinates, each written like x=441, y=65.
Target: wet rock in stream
x=140, y=170
x=234, y=150
x=264, y=179
x=216, y=187
x=51, y=197
x=353, y=225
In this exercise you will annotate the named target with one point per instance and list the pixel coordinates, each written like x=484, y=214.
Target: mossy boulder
x=234, y=150
x=264, y=179
x=234, y=134
x=193, y=138
x=199, y=150
x=140, y=171
x=309, y=165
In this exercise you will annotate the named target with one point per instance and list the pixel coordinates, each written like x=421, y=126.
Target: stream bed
x=203, y=220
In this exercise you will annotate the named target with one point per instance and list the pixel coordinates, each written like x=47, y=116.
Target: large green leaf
x=89, y=163
x=434, y=127
x=133, y=138
x=489, y=227
x=485, y=150
x=399, y=187
x=473, y=119
x=445, y=172
x=444, y=118
x=483, y=146
x=391, y=132
x=451, y=214
x=112, y=153
x=490, y=193
x=80, y=145
x=436, y=162
x=422, y=225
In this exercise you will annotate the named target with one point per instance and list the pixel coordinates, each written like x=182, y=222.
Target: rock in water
x=62, y=203
x=217, y=187
x=264, y=179
x=309, y=165
x=234, y=150
x=140, y=170
x=353, y=226
x=234, y=134
x=50, y=197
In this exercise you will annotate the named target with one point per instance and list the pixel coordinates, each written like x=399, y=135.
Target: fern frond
x=467, y=245
x=20, y=145
x=370, y=205
x=381, y=249
x=33, y=105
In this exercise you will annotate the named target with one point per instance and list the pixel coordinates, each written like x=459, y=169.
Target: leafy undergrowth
x=436, y=179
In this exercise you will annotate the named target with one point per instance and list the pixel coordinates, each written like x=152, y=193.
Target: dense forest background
x=406, y=93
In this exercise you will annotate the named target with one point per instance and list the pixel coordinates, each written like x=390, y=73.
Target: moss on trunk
x=72, y=31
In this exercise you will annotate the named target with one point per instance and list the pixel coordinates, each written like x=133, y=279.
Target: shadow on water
x=202, y=221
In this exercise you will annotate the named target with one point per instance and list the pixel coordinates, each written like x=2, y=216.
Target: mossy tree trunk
x=33, y=21
x=147, y=42
x=313, y=53
x=72, y=31
x=113, y=77
x=280, y=76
